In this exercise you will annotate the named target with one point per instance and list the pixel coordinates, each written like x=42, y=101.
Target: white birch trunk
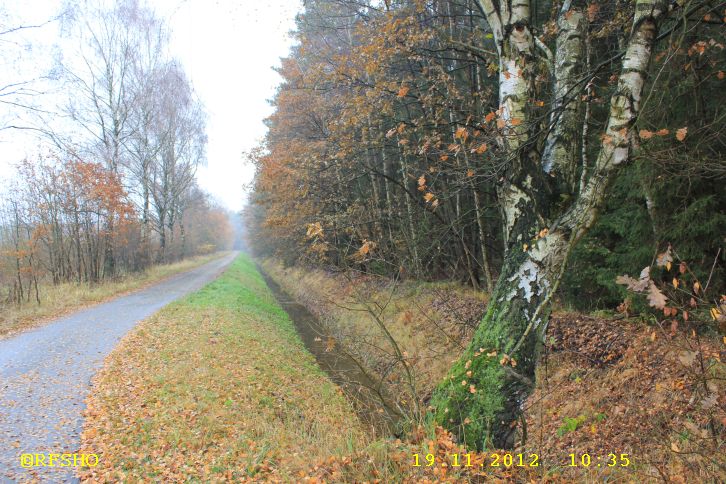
x=517, y=315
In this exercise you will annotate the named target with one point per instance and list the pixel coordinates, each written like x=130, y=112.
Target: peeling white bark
x=624, y=109
x=561, y=153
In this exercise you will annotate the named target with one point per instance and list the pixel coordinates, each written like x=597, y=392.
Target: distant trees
x=118, y=189
x=480, y=140
x=67, y=207
x=64, y=216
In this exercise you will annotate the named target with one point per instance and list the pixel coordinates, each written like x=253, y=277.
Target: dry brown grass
x=57, y=300
x=430, y=322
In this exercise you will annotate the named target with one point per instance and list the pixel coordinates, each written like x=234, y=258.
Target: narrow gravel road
x=45, y=373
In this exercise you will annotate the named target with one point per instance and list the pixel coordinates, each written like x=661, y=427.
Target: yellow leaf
x=715, y=313
x=429, y=196
x=461, y=133
x=422, y=181
x=469, y=173
x=645, y=134
x=403, y=91
x=481, y=149
x=675, y=283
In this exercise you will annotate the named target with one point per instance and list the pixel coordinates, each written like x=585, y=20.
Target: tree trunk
x=409, y=214
x=482, y=408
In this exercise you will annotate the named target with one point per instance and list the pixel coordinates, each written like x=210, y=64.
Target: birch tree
x=545, y=164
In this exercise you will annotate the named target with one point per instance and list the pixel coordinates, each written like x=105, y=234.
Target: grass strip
x=216, y=386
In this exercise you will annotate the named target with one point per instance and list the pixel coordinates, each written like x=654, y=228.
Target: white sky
x=228, y=49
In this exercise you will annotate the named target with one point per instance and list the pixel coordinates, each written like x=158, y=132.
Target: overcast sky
x=228, y=48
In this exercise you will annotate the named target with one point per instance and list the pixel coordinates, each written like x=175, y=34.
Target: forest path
x=45, y=373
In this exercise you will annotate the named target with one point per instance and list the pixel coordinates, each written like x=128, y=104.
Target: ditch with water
x=363, y=392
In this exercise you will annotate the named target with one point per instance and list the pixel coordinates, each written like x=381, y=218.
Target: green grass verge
x=216, y=386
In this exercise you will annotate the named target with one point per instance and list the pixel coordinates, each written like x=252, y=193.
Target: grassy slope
x=216, y=386
x=425, y=318
x=67, y=297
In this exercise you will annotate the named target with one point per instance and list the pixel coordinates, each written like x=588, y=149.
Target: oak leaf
x=639, y=285
x=656, y=298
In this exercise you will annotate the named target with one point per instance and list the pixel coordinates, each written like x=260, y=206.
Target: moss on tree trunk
x=481, y=398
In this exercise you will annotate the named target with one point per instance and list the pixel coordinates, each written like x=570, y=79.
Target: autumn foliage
x=73, y=221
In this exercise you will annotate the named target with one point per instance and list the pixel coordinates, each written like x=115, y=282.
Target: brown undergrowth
x=621, y=391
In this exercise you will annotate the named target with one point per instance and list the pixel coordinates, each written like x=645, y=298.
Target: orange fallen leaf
x=681, y=134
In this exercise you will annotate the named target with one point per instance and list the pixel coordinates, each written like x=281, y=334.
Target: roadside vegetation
x=62, y=298
x=217, y=386
x=607, y=384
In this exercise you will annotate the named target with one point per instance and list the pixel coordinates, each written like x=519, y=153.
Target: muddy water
x=357, y=386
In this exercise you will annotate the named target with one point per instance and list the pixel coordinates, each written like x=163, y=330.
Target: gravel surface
x=45, y=373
